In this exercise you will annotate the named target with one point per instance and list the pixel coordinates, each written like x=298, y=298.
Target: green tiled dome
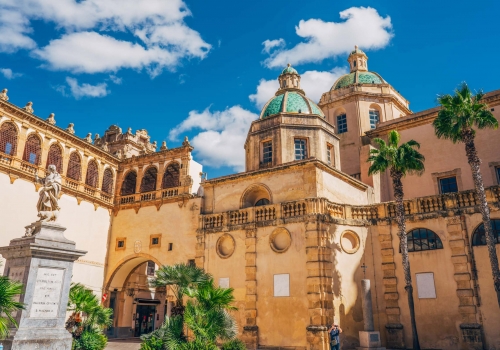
x=289, y=70
x=358, y=78
x=290, y=102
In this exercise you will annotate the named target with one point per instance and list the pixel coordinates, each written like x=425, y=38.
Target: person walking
x=334, y=332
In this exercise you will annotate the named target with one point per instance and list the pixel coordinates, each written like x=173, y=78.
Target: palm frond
x=9, y=292
x=461, y=113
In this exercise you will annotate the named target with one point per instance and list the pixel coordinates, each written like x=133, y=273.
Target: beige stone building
x=293, y=234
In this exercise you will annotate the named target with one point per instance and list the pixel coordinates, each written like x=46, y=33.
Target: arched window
x=262, y=201
x=479, y=236
x=55, y=157
x=107, y=181
x=8, y=139
x=33, y=150
x=423, y=239
x=171, y=176
x=148, y=182
x=92, y=174
x=74, y=167
x=129, y=184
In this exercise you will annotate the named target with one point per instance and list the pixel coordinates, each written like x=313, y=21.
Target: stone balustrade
x=17, y=168
x=149, y=196
x=368, y=214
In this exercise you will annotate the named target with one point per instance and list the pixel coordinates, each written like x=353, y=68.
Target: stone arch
x=149, y=179
x=171, y=176
x=92, y=177
x=255, y=193
x=129, y=183
x=107, y=180
x=9, y=137
x=33, y=149
x=375, y=107
x=125, y=266
x=55, y=157
x=74, y=170
x=479, y=234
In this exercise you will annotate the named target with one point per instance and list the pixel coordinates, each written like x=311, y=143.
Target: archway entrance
x=137, y=307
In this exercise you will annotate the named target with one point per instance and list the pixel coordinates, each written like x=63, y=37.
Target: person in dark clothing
x=334, y=332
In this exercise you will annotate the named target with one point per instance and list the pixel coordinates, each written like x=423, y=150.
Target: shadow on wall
x=350, y=320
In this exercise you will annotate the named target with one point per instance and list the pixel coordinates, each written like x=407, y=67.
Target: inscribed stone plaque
x=282, y=285
x=425, y=285
x=224, y=282
x=47, y=294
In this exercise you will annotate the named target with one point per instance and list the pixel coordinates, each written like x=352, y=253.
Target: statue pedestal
x=43, y=262
x=369, y=340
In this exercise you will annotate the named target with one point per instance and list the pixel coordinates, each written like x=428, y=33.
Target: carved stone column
x=251, y=330
x=319, y=284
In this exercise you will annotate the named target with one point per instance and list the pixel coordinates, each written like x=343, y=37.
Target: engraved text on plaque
x=47, y=295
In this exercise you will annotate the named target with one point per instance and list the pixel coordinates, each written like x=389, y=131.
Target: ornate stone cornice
x=52, y=131
x=284, y=167
x=423, y=117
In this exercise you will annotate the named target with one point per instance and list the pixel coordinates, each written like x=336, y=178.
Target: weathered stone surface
x=44, y=262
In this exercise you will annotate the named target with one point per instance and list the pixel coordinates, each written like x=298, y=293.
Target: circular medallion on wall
x=225, y=246
x=137, y=247
x=280, y=240
x=349, y=241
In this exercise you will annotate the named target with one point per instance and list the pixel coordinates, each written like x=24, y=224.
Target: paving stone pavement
x=123, y=345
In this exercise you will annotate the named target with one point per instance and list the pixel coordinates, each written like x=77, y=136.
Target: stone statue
x=163, y=146
x=51, y=119
x=186, y=142
x=3, y=95
x=48, y=203
x=71, y=128
x=29, y=107
x=89, y=137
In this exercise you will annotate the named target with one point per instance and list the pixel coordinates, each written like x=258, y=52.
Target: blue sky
x=200, y=68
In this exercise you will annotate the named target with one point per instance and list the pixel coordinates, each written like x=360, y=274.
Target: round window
x=349, y=241
x=280, y=240
x=225, y=246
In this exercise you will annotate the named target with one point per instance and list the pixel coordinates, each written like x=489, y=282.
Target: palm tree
x=181, y=278
x=9, y=292
x=460, y=114
x=206, y=316
x=88, y=319
x=400, y=160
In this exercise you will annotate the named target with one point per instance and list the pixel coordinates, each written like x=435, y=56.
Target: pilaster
x=394, y=328
x=250, y=329
x=319, y=284
x=470, y=327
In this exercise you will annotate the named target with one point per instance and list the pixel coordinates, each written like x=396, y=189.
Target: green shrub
x=90, y=340
x=234, y=344
x=152, y=341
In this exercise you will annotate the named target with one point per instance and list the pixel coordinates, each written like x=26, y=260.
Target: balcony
x=17, y=168
x=282, y=213
x=161, y=194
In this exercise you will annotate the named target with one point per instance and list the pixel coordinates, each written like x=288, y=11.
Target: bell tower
x=289, y=80
x=358, y=61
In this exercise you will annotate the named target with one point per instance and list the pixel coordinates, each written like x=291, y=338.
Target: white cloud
x=313, y=82
x=9, y=74
x=271, y=44
x=14, y=28
x=105, y=35
x=116, y=80
x=362, y=26
x=83, y=90
x=221, y=138
x=265, y=90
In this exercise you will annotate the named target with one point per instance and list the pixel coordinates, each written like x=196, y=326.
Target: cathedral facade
x=293, y=235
